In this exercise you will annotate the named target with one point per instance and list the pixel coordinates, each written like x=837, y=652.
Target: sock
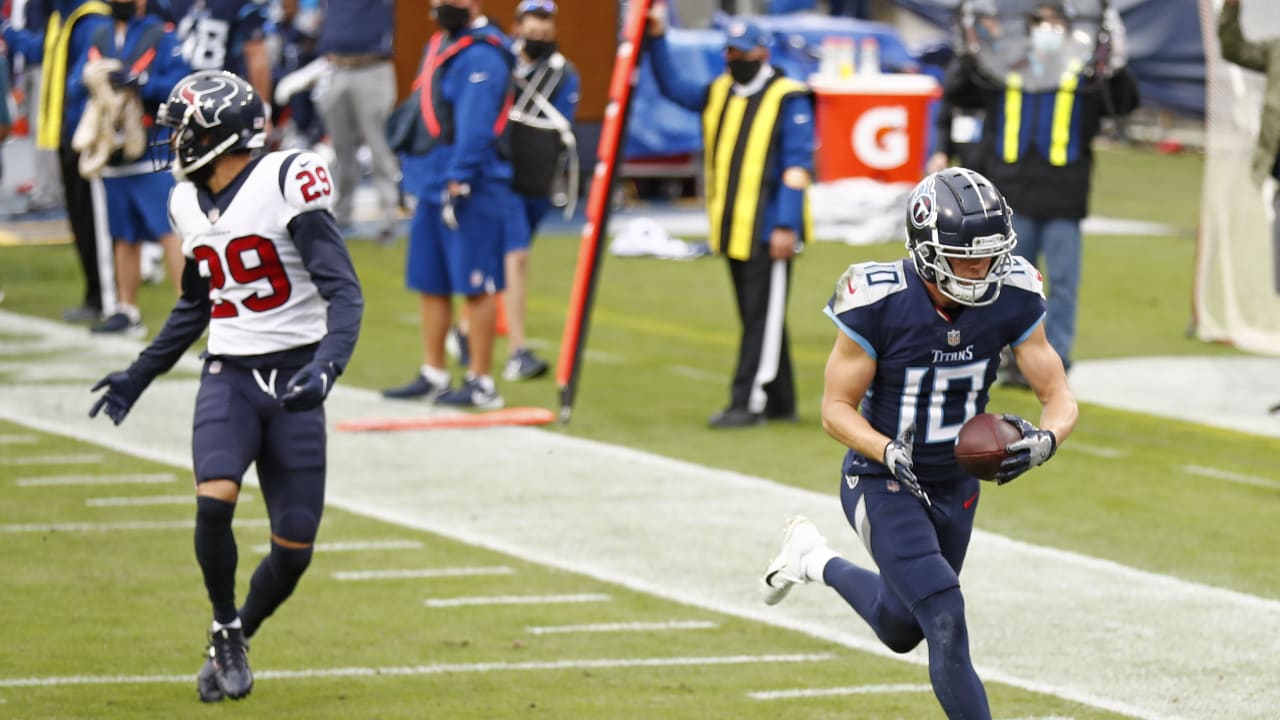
x=436, y=376
x=234, y=625
x=815, y=562
x=955, y=682
x=272, y=583
x=131, y=312
x=485, y=382
x=217, y=555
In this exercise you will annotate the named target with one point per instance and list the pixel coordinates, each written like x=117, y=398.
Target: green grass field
x=661, y=348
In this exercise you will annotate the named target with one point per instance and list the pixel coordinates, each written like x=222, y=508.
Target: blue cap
x=746, y=36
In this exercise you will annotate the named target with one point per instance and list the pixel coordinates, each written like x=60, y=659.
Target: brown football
x=980, y=446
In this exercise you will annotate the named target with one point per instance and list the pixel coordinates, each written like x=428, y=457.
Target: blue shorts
x=138, y=206
x=467, y=261
x=533, y=209
x=919, y=549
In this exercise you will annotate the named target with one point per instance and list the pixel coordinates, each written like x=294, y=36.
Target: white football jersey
x=263, y=297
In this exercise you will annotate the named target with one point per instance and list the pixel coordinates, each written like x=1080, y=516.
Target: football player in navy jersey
x=268, y=274
x=917, y=351
x=223, y=35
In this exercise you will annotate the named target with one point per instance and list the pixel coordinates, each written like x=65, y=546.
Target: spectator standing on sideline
x=758, y=148
x=466, y=206
x=356, y=37
x=46, y=190
x=56, y=47
x=547, y=90
x=1038, y=149
x=224, y=35
x=145, y=51
x=1263, y=57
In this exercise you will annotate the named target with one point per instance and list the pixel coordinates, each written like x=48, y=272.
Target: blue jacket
x=30, y=43
x=795, y=126
x=358, y=27
x=154, y=83
x=476, y=82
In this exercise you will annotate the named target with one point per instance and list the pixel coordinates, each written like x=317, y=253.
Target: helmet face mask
x=209, y=114
x=957, y=214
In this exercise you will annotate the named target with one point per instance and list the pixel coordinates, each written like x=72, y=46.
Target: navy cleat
x=205, y=684
x=120, y=324
x=229, y=656
x=420, y=388
x=735, y=418
x=474, y=393
x=524, y=365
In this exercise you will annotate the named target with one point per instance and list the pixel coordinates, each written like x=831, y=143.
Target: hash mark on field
x=624, y=627
x=1106, y=453
x=111, y=526
x=1229, y=476
x=356, y=546
x=155, y=478
x=18, y=439
x=589, y=664
x=516, y=600
x=694, y=373
x=837, y=691
x=424, y=573
x=150, y=500
x=81, y=459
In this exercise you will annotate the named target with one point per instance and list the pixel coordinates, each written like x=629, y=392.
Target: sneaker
x=524, y=365
x=120, y=324
x=419, y=388
x=205, y=684
x=472, y=394
x=735, y=418
x=800, y=538
x=229, y=655
x=455, y=343
x=82, y=314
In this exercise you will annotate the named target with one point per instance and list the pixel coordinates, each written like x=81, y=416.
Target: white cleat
x=799, y=538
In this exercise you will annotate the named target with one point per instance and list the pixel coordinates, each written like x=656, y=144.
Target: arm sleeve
x=1269, y=130
x=1123, y=87
x=1234, y=47
x=76, y=91
x=670, y=79
x=28, y=43
x=959, y=88
x=568, y=94
x=797, y=132
x=325, y=256
x=943, y=142
x=476, y=112
x=186, y=323
x=166, y=70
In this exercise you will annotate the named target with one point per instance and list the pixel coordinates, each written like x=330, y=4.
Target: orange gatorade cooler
x=873, y=126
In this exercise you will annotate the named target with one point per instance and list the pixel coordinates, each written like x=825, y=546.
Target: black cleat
x=205, y=684
x=229, y=656
x=736, y=418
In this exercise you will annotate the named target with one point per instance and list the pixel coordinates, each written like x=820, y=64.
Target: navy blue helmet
x=957, y=213
x=211, y=113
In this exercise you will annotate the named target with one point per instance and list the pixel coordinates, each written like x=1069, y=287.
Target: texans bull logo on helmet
x=207, y=98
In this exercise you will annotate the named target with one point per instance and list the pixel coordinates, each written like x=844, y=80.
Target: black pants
x=96, y=261
x=763, y=381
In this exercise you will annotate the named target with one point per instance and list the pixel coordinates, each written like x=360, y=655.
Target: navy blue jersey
x=933, y=366
x=213, y=32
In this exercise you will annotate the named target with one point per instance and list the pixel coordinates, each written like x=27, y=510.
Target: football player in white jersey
x=268, y=274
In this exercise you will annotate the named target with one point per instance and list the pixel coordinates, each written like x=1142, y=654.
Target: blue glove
x=1035, y=448
x=123, y=391
x=308, y=387
x=897, y=457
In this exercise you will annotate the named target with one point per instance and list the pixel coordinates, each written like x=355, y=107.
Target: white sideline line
x=515, y=600
x=424, y=573
x=356, y=546
x=113, y=526
x=623, y=627
x=55, y=459
x=150, y=500
x=837, y=691
x=151, y=479
x=411, y=670
x=1106, y=453
x=18, y=439
x=1041, y=717
x=1229, y=476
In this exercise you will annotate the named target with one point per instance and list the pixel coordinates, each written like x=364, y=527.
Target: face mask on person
x=538, y=49
x=1047, y=40
x=452, y=18
x=744, y=71
x=123, y=11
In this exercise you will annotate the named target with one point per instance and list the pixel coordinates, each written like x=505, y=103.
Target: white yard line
x=18, y=439
x=48, y=480
x=694, y=373
x=80, y=459
x=144, y=500
x=87, y=527
x=1230, y=476
x=623, y=627
x=837, y=691
x=421, y=573
x=1045, y=620
x=414, y=670
x=515, y=600
x=1107, y=453
x=356, y=546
